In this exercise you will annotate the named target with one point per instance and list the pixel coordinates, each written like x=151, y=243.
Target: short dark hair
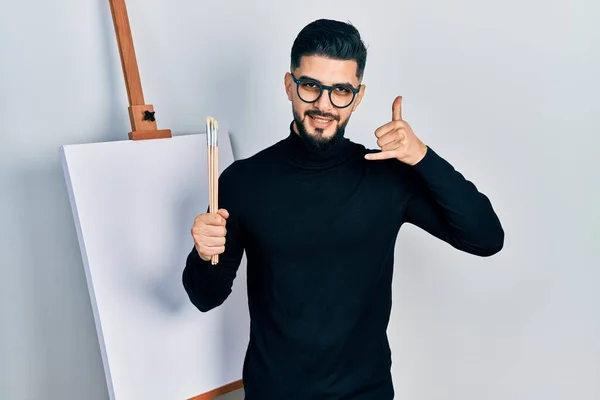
x=329, y=38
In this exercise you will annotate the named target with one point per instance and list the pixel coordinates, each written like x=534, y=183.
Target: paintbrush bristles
x=212, y=131
x=212, y=135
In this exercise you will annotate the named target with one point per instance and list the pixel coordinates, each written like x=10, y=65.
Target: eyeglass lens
x=341, y=95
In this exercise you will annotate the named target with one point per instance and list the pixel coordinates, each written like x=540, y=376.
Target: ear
x=359, y=97
x=287, y=83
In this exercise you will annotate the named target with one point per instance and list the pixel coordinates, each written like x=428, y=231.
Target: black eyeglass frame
x=322, y=87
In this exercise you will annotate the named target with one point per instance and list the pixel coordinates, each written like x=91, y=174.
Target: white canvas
x=133, y=204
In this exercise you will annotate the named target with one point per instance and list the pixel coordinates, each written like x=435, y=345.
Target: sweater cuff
x=432, y=167
x=198, y=263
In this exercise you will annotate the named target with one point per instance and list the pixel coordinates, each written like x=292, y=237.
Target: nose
x=323, y=103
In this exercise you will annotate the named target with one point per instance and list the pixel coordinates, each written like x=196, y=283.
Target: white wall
x=507, y=91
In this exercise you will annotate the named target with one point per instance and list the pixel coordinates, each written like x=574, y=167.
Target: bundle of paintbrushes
x=212, y=142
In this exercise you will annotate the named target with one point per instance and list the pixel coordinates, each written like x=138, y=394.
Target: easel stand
x=141, y=115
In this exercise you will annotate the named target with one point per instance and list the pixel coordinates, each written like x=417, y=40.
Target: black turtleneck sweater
x=319, y=231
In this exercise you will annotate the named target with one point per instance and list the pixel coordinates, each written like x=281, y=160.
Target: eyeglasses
x=310, y=90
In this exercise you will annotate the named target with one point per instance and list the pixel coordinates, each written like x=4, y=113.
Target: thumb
x=223, y=213
x=397, y=109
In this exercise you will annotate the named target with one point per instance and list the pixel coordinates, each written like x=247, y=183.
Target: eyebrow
x=335, y=84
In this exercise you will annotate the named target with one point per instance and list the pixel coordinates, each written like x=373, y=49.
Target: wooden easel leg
x=141, y=116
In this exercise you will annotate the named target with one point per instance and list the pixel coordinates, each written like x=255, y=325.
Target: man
x=318, y=217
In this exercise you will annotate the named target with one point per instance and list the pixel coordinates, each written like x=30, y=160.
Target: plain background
x=506, y=91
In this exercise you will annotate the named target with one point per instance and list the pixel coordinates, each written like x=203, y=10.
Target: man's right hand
x=209, y=233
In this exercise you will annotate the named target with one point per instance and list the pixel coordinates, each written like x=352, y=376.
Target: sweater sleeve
x=207, y=285
x=451, y=208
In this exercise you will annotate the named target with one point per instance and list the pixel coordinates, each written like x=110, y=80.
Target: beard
x=318, y=142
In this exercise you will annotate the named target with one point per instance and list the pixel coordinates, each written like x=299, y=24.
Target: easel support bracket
x=141, y=115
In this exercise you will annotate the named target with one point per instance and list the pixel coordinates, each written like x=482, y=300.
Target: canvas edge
x=63, y=150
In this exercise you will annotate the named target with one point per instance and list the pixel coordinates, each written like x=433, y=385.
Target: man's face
x=320, y=122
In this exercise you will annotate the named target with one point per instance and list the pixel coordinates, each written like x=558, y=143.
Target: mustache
x=317, y=113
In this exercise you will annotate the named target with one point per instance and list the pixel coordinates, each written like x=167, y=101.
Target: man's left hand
x=397, y=139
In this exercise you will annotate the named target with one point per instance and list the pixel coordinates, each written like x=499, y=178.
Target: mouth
x=320, y=122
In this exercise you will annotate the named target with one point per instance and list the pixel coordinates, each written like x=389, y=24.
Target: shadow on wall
x=63, y=315
x=168, y=290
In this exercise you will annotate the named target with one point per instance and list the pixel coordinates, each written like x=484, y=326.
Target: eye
x=343, y=90
x=310, y=85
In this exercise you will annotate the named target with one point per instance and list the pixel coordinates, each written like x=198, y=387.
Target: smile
x=320, y=122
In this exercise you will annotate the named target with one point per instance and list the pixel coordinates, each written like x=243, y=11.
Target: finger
x=388, y=138
x=212, y=231
x=204, y=231
x=382, y=155
x=391, y=126
x=394, y=145
x=213, y=241
x=385, y=129
x=212, y=219
x=397, y=109
x=211, y=250
x=397, y=134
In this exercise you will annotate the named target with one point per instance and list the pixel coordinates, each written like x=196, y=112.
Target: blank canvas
x=133, y=204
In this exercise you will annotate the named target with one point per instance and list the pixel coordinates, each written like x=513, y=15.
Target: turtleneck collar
x=303, y=155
